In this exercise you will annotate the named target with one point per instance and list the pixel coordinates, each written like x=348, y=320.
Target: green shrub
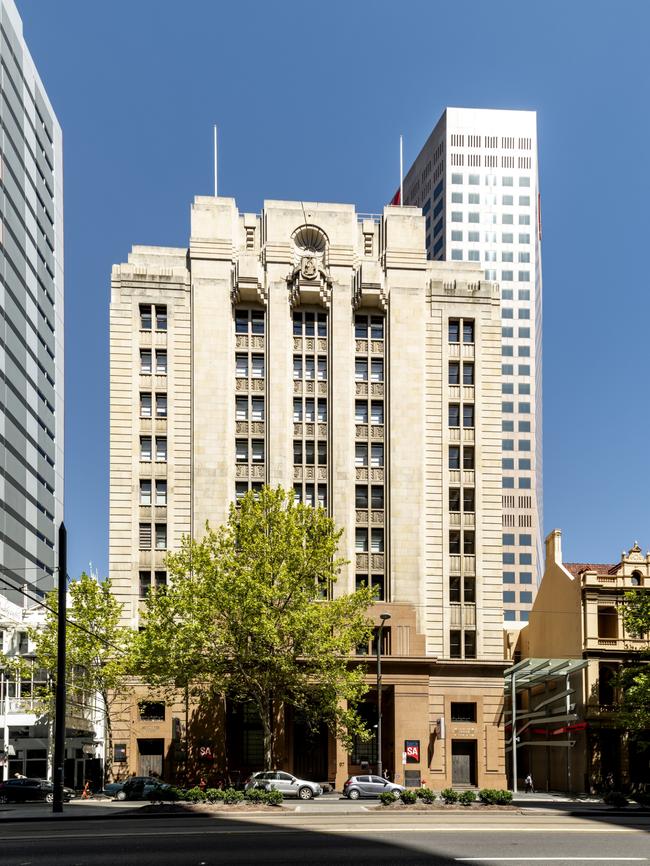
x=467, y=798
x=272, y=798
x=387, y=798
x=195, y=795
x=449, y=795
x=255, y=795
x=231, y=796
x=162, y=794
x=214, y=795
x=615, y=799
x=495, y=797
x=426, y=795
x=408, y=797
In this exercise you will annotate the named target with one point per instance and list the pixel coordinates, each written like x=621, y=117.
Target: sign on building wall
x=412, y=751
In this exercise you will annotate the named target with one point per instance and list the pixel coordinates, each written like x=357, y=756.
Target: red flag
x=396, y=198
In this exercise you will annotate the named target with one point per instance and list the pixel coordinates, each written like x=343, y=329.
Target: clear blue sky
x=311, y=99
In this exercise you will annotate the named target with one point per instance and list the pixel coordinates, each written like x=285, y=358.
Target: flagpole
x=215, y=160
x=401, y=172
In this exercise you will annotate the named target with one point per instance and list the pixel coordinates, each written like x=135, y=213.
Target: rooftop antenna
x=215, y=160
x=401, y=171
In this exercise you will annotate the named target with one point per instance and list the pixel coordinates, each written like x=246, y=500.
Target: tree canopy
x=97, y=647
x=250, y=613
x=634, y=679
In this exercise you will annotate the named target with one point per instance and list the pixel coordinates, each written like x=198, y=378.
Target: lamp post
x=383, y=617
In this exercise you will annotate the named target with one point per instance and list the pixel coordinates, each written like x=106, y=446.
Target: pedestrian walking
x=528, y=784
x=86, y=794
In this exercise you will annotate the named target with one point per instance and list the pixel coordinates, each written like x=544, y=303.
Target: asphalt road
x=372, y=838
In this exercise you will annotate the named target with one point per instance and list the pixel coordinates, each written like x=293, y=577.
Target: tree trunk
x=266, y=709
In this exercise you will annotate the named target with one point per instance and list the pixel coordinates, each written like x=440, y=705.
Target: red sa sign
x=412, y=749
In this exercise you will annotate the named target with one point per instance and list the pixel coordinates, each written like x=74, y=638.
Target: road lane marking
x=296, y=831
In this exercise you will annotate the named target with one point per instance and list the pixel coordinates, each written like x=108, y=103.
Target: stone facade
x=578, y=615
x=314, y=349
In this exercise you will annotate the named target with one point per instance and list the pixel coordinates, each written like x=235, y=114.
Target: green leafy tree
x=97, y=648
x=245, y=615
x=634, y=679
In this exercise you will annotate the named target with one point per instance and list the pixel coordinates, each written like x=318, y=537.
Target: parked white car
x=290, y=786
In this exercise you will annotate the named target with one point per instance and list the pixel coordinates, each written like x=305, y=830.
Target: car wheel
x=120, y=795
x=353, y=794
x=305, y=793
x=4, y=799
x=49, y=798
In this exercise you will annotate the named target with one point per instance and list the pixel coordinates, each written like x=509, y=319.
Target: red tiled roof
x=599, y=567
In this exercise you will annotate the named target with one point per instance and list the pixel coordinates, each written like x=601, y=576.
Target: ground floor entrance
x=463, y=763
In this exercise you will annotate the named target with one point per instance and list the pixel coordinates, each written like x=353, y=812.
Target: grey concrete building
x=476, y=180
x=31, y=320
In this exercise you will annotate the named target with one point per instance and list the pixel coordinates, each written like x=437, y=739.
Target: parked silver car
x=369, y=786
x=289, y=785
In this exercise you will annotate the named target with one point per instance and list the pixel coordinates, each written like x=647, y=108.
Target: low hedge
x=426, y=795
x=408, y=796
x=387, y=798
x=449, y=795
x=467, y=798
x=495, y=797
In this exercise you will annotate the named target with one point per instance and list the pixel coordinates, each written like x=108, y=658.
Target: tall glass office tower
x=31, y=321
x=476, y=180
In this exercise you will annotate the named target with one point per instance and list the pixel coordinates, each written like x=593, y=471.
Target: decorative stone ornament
x=309, y=281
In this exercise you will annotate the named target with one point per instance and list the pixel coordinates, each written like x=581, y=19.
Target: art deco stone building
x=317, y=349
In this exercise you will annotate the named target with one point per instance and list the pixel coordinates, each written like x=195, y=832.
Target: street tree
x=634, y=679
x=97, y=649
x=251, y=613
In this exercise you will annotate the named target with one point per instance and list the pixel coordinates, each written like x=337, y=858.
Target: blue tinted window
x=508, y=577
x=509, y=596
x=508, y=559
x=507, y=407
x=506, y=332
x=507, y=426
x=524, y=333
x=507, y=482
x=526, y=597
x=437, y=246
x=509, y=615
x=508, y=445
x=507, y=350
x=524, y=388
x=526, y=577
x=457, y=178
x=506, y=275
x=507, y=463
x=437, y=208
x=524, y=408
x=508, y=538
x=524, y=615
x=437, y=228
x=524, y=352
x=524, y=483
x=438, y=189
x=507, y=313
x=524, y=463
x=525, y=540
x=525, y=559
x=427, y=207
x=507, y=388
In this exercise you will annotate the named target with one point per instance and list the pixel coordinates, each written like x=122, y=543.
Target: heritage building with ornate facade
x=318, y=349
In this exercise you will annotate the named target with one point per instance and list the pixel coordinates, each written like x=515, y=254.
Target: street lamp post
x=383, y=617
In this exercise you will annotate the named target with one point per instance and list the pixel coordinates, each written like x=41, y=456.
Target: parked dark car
x=139, y=788
x=369, y=786
x=26, y=790
x=112, y=789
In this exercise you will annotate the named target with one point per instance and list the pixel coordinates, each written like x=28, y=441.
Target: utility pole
x=59, y=703
x=380, y=633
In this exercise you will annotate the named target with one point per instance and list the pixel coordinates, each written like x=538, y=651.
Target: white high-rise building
x=476, y=180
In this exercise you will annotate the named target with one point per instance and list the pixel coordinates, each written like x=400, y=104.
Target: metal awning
x=533, y=672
